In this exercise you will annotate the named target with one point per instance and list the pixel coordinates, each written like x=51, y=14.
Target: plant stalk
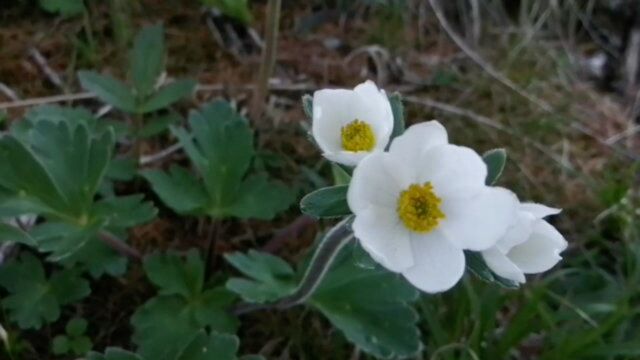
x=268, y=57
x=323, y=258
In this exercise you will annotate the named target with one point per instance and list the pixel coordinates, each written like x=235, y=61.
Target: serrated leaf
x=270, y=277
x=327, y=202
x=76, y=327
x=124, y=211
x=173, y=276
x=475, y=264
x=178, y=189
x=66, y=8
x=371, y=308
x=397, y=108
x=220, y=146
x=260, y=198
x=495, y=160
x=33, y=298
x=76, y=159
x=210, y=347
x=147, y=59
x=113, y=354
x=108, y=89
x=10, y=233
x=165, y=323
x=168, y=95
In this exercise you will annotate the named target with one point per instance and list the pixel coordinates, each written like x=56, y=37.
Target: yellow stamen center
x=419, y=208
x=358, y=136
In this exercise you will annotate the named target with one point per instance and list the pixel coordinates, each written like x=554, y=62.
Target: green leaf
x=178, y=189
x=307, y=105
x=81, y=345
x=158, y=124
x=260, y=199
x=221, y=149
x=397, y=108
x=237, y=9
x=122, y=169
x=76, y=159
x=10, y=233
x=109, y=90
x=271, y=277
x=340, y=175
x=66, y=8
x=371, y=308
x=76, y=327
x=124, y=211
x=168, y=95
x=210, y=347
x=173, y=276
x=29, y=187
x=60, y=345
x=495, y=160
x=475, y=264
x=98, y=259
x=165, y=323
x=327, y=202
x=33, y=298
x=225, y=143
x=113, y=354
x=147, y=59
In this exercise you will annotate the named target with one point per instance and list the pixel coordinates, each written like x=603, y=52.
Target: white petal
x=519, y=232
x=331, y=108
x=383, y=236
x=454, y=171
x=438, y=263
x=372, y=106
x=477, y=223
x=348, y=158
x=538, y=210
x=418, y=138
x=500, y=264
x=541, y=251
x=375, y=182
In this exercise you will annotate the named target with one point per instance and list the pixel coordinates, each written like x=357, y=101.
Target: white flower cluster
x=422, y=202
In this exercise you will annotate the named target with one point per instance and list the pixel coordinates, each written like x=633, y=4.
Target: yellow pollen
x=358, y=136
x=419, y=208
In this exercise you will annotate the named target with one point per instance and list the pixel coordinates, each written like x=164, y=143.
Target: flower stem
x=322, y=260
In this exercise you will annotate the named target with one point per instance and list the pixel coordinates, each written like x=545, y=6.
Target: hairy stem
x=322, y=260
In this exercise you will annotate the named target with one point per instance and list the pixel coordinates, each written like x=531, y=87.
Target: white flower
x=420, y=204
x=531, y=245
x=350, y=124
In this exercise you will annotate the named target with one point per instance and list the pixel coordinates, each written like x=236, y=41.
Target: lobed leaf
x=147, y=59
x=168, y=95
x=270, y=277
x=371, y=308
x=34, y=299
x=109, y=90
